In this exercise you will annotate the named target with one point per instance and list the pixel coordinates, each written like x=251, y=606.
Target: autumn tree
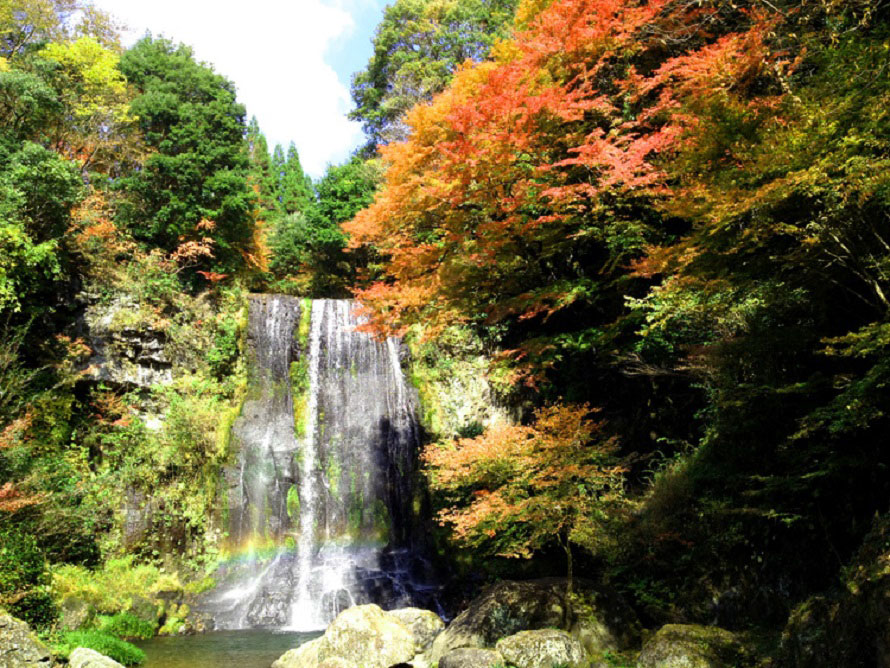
x=516, y=490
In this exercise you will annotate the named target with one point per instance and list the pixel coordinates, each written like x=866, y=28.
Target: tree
x=198, y=171
x=37, y=191
x=417, y=47
x=295, y=189
x=24, y=23
x=308, y=244
x=515, y=490
x=262, y=176
x=96, y=128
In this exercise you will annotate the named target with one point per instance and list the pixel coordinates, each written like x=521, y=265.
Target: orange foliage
x=12, y=500
x=521, y=155
x=519, y=487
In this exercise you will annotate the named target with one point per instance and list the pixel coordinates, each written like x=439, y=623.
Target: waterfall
x=320, y=507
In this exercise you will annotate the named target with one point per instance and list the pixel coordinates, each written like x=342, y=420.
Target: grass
x=104, y=643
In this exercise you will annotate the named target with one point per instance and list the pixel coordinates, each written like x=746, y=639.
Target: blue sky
x=291, y=60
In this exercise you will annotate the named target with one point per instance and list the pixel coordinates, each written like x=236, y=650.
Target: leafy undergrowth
x=113, y=588
x=114, y=648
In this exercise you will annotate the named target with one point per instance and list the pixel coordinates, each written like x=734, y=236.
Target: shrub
x=124, y=625
x=24, y=579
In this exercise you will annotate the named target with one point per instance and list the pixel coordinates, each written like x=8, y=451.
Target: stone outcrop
x=19, y=648
x=692, y=646
x=366, y=636
x=543, y=648
x=88, y=658
x=508, y=607
x=127, y=350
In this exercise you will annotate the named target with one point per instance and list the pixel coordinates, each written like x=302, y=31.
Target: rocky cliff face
x=127, y=350
x=459, y=395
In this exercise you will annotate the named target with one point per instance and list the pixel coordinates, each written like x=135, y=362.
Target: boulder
x=691, y=646
x=88, y=658
x=75, y=613
x=304, y=656
x=601, y=619
x=364, y=635
x=471, y=658
x=19, y=648
x=849, y=626
x=604, y=622
x=424, y=625
x=543, y=648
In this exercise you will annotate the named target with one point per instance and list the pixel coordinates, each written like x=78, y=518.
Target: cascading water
x=321, y=504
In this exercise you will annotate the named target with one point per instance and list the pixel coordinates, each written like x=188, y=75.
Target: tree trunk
x=569, y=616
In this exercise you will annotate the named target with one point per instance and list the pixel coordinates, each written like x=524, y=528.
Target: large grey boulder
x=543, y=648
x=88, y=658
x=366, y=635
x=602, y=621
x=424, y=625
x=19, y=648
x=691, y=646
x=363, y=635
x=471, y=658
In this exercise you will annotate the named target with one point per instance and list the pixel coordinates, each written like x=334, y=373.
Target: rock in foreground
x=471, y=658
x=424, y=625
x=691, y=646
x=88, y=658
x=542, y=649
x=366, y=636
x=512, y=606
x=19, y=648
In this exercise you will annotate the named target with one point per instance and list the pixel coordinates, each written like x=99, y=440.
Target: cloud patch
x=274, y=51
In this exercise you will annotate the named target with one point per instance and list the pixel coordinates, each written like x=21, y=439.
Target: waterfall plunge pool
x=219, y=649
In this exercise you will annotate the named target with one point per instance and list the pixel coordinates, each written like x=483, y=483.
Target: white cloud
x=274, y=52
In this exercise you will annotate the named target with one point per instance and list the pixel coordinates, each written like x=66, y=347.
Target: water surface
x=239, y=649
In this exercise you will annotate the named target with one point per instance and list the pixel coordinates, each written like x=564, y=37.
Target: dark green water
x=239, y=649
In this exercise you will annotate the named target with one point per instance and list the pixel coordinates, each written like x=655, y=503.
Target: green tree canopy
x=417, y=47
x=189, y=115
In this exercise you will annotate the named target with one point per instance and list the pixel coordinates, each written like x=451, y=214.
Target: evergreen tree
x=199, y=171
x=262, y=176
x=296, y=186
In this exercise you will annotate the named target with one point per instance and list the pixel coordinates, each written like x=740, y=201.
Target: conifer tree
x=296, y=186
x=262, y=175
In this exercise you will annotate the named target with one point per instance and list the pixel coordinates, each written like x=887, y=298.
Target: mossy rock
x=471, y=658
x=363, y=635
x=543, y=648
x=19, y=648
x=424, y=625
x=847, y=627
x=75, y=613
x=603, y=622
x=692, y=646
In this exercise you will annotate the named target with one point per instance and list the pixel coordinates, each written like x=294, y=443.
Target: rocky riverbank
x=516, y=624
